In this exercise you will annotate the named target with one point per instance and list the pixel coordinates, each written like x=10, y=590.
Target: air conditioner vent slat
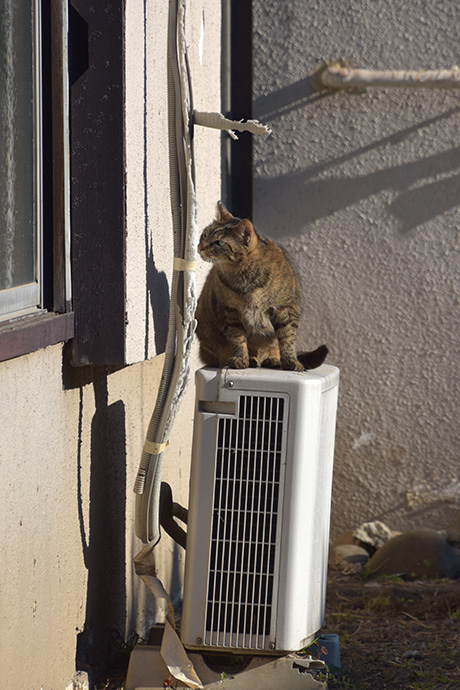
x=245, y=514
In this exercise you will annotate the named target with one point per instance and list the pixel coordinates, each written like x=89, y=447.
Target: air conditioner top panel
x=214, y=384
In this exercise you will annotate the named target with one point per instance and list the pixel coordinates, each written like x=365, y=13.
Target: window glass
x=19, y=159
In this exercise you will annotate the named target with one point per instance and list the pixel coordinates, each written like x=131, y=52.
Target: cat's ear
x=222, y=213
x=246, y=230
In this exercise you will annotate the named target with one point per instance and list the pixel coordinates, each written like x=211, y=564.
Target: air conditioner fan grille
x=245, y=515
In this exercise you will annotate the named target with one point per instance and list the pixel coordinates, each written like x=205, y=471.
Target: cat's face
x=227, y=239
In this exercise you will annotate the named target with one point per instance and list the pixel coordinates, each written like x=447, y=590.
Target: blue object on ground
x=329, y=642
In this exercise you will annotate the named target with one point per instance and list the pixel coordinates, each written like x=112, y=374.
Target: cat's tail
x=311, y=360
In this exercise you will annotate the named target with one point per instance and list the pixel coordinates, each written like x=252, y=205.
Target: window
x=20, y=166
x=34, y=188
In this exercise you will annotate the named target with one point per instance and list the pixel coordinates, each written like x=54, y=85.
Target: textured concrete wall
x=71, y=440
x=363, y=190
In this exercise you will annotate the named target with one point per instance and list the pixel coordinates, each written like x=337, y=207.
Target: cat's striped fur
x=249, y=308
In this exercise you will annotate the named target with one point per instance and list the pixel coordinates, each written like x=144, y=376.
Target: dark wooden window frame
x=55, y=323
x=97, y=94
x=239, y=37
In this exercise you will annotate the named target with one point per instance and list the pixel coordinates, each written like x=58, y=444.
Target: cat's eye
x=221, y=243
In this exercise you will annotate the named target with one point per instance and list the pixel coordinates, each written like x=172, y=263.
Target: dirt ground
x=394, y=634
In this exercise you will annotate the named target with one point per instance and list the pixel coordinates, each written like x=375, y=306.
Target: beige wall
x=149, y=246
x=50, y=440
x=363, y=192
x=71, y=440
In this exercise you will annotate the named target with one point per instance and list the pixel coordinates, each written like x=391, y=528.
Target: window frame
x=98, y=171
x=52, y=321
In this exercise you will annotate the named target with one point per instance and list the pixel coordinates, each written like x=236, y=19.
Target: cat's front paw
x=271, y=363
x=238, y=362
x=291, y=364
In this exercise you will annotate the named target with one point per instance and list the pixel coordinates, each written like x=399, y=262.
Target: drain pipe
x=183, y=294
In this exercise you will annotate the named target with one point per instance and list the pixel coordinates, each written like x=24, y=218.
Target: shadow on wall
x=103, y=539
x=417, y=201
x=420, y=197
x=156, y=282
x=156, y=300
x=176, y=583
x=273, y=105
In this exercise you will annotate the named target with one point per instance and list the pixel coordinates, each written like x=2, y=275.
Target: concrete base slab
x=147, y=671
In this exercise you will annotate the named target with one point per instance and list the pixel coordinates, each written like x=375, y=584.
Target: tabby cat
x=248, y=311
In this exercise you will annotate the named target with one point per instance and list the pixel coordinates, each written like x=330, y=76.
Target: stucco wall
x=149, y=246
x=66, y=469
x=363, y=190
x=71, y=439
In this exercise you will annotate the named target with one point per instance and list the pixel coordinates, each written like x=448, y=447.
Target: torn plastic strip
x=218, y=121
x=172, y=650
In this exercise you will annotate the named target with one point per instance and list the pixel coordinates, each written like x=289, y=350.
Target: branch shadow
x=420, y=198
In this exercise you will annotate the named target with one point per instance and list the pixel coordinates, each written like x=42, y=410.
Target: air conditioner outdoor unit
x=259, y=509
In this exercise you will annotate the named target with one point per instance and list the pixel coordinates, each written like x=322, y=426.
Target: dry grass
x=394, y=634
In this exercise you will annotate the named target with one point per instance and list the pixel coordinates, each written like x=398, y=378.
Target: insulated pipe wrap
x=176, y=370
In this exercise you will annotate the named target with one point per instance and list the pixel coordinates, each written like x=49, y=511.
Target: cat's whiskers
x=216, y=261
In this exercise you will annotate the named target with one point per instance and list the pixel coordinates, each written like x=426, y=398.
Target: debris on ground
x=394, y=633
x=418, y=553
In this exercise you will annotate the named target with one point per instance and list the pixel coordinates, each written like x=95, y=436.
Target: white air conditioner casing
x=259, y=512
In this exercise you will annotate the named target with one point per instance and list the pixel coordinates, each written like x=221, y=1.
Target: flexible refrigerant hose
x=180, y=330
